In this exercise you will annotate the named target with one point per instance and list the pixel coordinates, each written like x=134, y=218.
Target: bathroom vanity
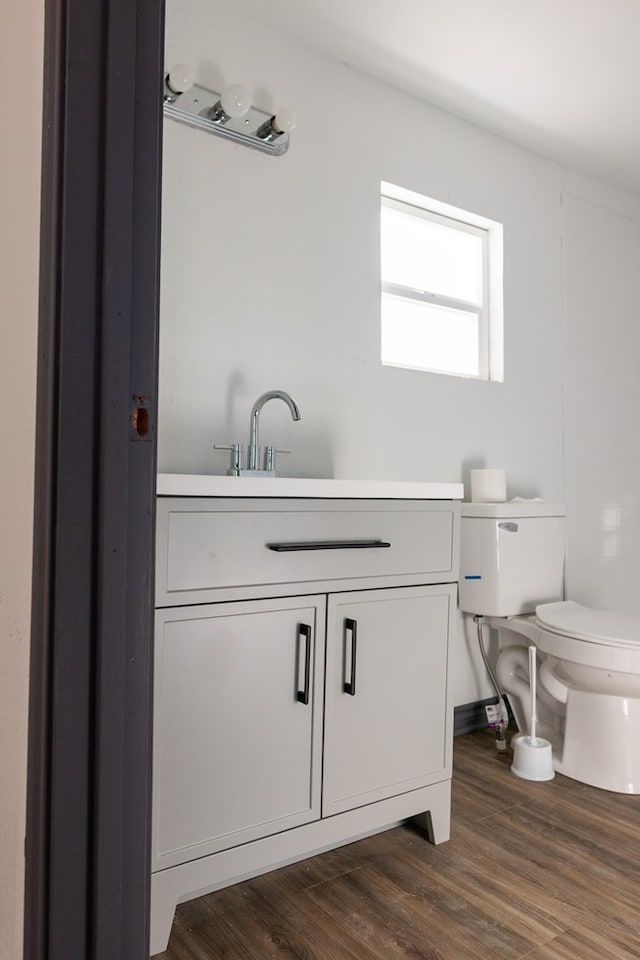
x=301, y=672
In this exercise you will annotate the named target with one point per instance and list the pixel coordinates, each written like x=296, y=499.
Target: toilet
x=588, y=692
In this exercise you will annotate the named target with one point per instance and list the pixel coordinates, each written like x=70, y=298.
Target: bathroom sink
x=203, y=485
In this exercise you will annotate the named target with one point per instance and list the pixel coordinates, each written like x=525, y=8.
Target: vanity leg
x=436, y=821
x=164, y=900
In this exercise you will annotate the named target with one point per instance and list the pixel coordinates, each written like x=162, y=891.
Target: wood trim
x=36, y=905
x=90, y=732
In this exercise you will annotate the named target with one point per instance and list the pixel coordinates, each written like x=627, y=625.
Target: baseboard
x=471, y=716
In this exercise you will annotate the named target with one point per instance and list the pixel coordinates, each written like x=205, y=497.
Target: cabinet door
x=238, y=715
x=387, y=714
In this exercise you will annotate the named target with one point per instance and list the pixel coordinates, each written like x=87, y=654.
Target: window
x=441, y=271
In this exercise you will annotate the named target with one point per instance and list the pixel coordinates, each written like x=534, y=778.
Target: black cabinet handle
x=304, y=630
x=327, y=545
x=351, y=627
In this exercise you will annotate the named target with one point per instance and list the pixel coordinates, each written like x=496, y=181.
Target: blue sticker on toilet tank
x=475, y=576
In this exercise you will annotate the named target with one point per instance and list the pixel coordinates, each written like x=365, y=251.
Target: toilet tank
x=511, y=557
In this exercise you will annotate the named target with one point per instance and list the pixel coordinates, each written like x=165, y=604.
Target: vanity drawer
x=220, y=549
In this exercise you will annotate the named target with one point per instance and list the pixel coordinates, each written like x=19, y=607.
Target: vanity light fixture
x=177, y=81
x=227, y=114
x=234, y=103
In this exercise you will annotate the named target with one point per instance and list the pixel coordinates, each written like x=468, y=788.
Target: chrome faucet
x=254, y=441
x=268, y=469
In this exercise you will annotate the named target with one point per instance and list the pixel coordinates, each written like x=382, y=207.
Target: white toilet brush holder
x=532, y=755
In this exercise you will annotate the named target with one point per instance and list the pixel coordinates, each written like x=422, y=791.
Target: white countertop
x=202, y=485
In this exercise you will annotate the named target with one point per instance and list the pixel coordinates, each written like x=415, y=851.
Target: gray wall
x=21, y=41
x=602, y=307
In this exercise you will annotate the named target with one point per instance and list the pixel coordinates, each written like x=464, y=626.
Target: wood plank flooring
x=544, y=871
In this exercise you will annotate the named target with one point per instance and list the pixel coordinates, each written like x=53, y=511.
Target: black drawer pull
x=304, y=630
x=327, y=545
x=351, y=627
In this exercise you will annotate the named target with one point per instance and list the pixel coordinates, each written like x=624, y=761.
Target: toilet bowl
x=588, y=701
x=588, y=692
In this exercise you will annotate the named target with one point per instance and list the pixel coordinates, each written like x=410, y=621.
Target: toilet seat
x=570, y=619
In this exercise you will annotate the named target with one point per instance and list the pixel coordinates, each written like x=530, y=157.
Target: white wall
x=602, y=309
x=271, y=279
x=21, y=42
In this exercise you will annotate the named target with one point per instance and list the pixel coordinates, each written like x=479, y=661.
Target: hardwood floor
x=544, y=871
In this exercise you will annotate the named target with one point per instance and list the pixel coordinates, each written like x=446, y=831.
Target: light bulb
x=284, y=120
x=180, y=78
x=234, y=100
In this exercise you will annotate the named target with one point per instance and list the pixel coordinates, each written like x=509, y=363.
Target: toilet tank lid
x=585, y=623
x=513, y=509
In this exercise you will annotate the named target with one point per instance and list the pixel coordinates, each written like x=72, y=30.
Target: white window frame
x=490, y=310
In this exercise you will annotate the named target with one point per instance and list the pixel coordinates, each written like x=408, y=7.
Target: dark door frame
x=89, y=768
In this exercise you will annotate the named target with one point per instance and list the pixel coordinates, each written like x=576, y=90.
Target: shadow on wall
x=472, y=463
x=235, y=400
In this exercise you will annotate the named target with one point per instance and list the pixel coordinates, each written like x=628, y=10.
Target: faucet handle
x=270, y=457
x=235, y=465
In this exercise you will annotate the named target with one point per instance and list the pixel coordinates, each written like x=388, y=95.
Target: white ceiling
x=561, y=77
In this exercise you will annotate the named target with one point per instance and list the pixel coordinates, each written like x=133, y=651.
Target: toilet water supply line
x=500, y=719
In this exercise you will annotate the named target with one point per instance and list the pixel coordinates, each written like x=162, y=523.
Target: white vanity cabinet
x=301, y=682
